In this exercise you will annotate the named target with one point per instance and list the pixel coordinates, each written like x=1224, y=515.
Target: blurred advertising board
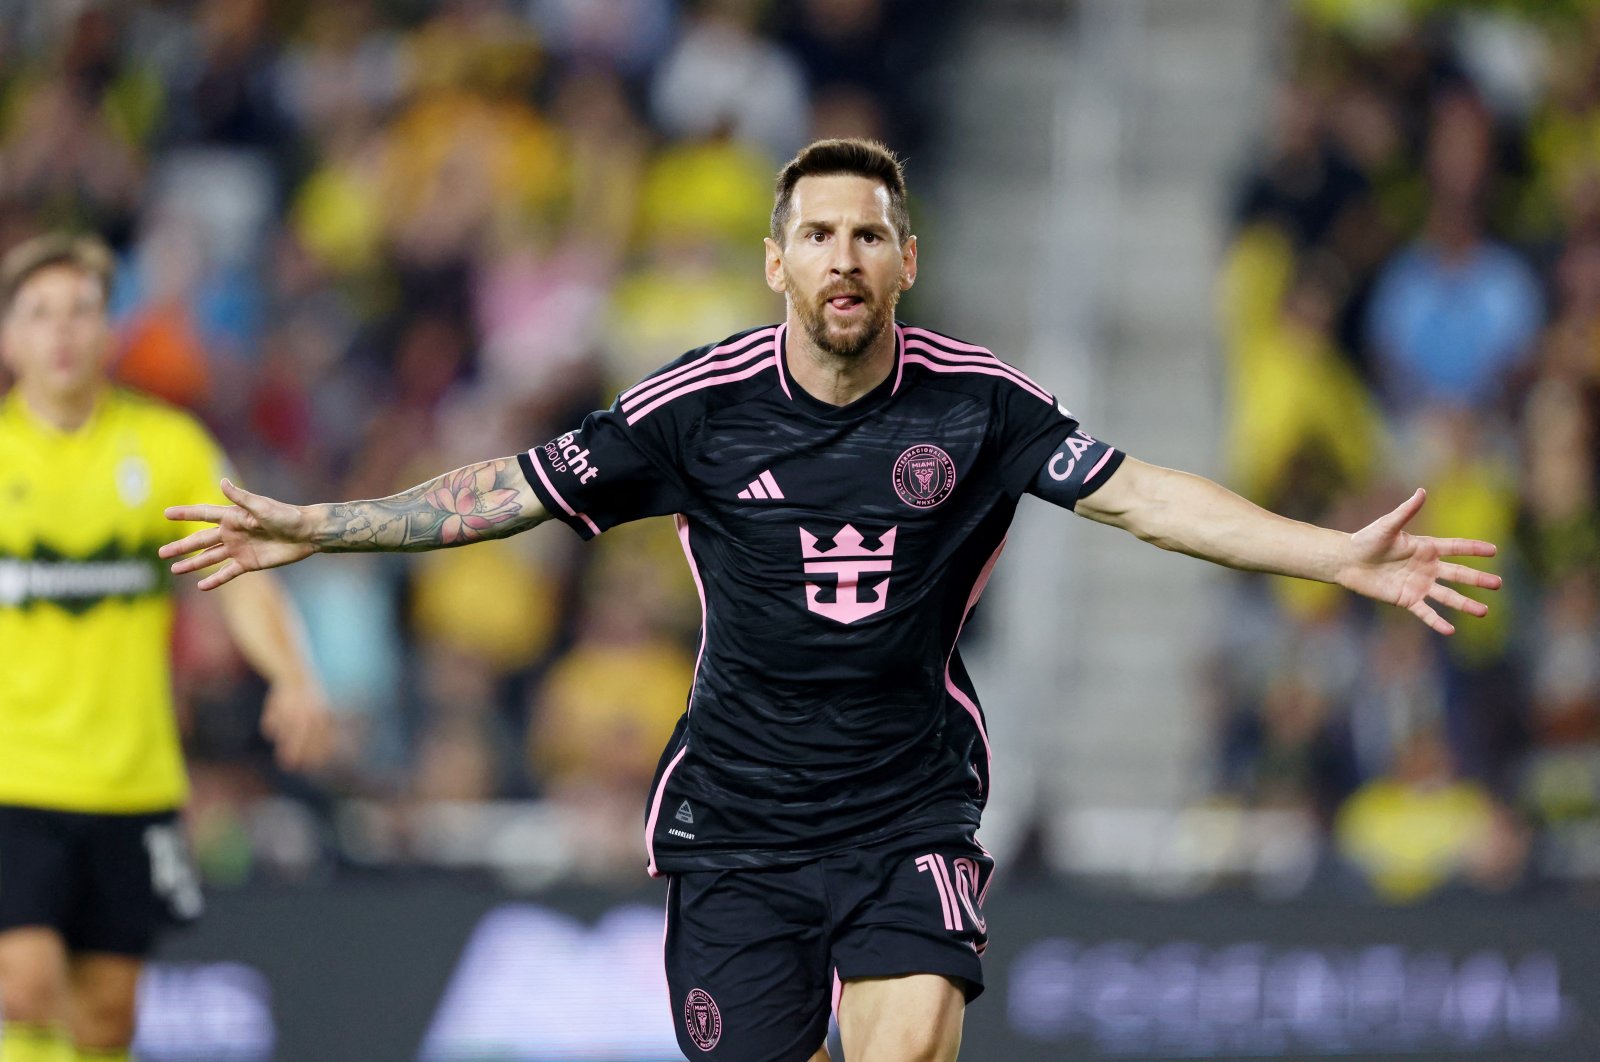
x=440, y=969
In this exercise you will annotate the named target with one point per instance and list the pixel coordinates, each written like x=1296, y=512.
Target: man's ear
x=908, y=264
x=775, y=279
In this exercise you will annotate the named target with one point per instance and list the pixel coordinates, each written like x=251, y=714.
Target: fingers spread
x=1465, y=547
x=1457, y=600
x=1427, y=615
x=225, y=574
x=1403, y=513
x=200, y=561
x=201, y=539
x=1460, y=573
x=211, y=514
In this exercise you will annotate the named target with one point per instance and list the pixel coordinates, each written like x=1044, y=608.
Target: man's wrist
x=1344, y=561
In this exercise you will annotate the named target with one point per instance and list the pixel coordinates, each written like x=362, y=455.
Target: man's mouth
x=845, y=303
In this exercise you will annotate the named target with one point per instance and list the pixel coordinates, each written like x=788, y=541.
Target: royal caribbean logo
x=924, y=476
x=702, y=1018
x=848, y=561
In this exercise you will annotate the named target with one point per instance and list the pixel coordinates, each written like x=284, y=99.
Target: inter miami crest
x=924, y=476
x=703, y=1019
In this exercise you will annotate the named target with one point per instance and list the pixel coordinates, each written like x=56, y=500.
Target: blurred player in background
x=92, y=857
x=842, y=486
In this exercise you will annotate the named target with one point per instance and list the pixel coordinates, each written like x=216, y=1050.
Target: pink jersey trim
x=900, y=357
x=533, y=458
x=949, y=683
x=989, y=366
x=757, y=338
x=783, y=366
x=958, y=345
x=681, y=522
x=980, y=370
x=639, y=397
x=1098, y=466
x=710, y=381
x=655, y=813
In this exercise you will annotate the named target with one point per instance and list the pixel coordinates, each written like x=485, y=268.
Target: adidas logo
x=763, y=486
x=684, y=814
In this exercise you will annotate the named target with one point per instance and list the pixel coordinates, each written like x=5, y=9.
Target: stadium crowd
x=1412, y=296
x=372, y=239
x=368, y=240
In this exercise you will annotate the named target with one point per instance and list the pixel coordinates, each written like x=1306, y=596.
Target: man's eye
x=817, y=237
x=870, y=237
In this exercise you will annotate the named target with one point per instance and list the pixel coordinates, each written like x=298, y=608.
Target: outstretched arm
x=490, y=499
x=1191, y=514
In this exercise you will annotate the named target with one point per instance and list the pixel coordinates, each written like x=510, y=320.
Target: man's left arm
x=266, y=629
x=1191, y=514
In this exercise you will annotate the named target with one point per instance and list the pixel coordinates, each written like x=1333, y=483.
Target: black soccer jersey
x=838, y=551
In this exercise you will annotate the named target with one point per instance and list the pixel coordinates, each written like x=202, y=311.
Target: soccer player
x=92, y=860
x=842, y=484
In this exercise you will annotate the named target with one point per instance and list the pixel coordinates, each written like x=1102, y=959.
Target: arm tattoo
x=487, y=500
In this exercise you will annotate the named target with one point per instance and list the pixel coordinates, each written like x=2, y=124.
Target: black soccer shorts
x=756, y=958
x=106, y=883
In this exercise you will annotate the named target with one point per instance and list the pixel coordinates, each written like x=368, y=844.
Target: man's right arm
x=491, y=499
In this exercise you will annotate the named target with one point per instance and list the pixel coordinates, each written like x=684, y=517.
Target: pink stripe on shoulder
x=928, y=333
x=533, y=458
x=956, y=344
x=767, y=362
x=640, y=396
x=973, y=370
x=733, y=344
x=985, y=361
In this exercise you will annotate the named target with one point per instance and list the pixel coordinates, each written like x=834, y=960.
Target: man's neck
x=830, y=378
x=66, y=413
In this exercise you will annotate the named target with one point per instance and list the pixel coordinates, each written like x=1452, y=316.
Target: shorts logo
x=924, y=476
x=847, y=561
x=702, y=1018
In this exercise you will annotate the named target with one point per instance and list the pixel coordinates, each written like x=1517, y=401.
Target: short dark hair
x=88, y=254
x=854, y=157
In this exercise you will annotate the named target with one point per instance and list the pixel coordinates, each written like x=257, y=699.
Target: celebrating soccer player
x=842, y=484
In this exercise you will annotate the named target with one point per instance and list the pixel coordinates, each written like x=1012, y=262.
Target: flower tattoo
x=472, y=503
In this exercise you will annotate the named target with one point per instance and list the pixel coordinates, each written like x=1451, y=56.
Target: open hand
x=252, y=534
x=1398, y=568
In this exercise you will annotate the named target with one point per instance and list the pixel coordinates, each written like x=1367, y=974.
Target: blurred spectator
x=722, y=77
x=1421, y=829
x=1305, y=181
x=363, y=239
x=1380, y=131
x=1454, y=313
x=607, y=707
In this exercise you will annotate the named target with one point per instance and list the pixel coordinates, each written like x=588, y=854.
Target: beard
x=850, y=341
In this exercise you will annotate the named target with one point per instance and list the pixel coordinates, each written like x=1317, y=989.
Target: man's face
x=841, y=264
x=56, y=336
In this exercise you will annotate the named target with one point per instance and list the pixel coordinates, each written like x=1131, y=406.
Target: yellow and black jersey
x=86, y=721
